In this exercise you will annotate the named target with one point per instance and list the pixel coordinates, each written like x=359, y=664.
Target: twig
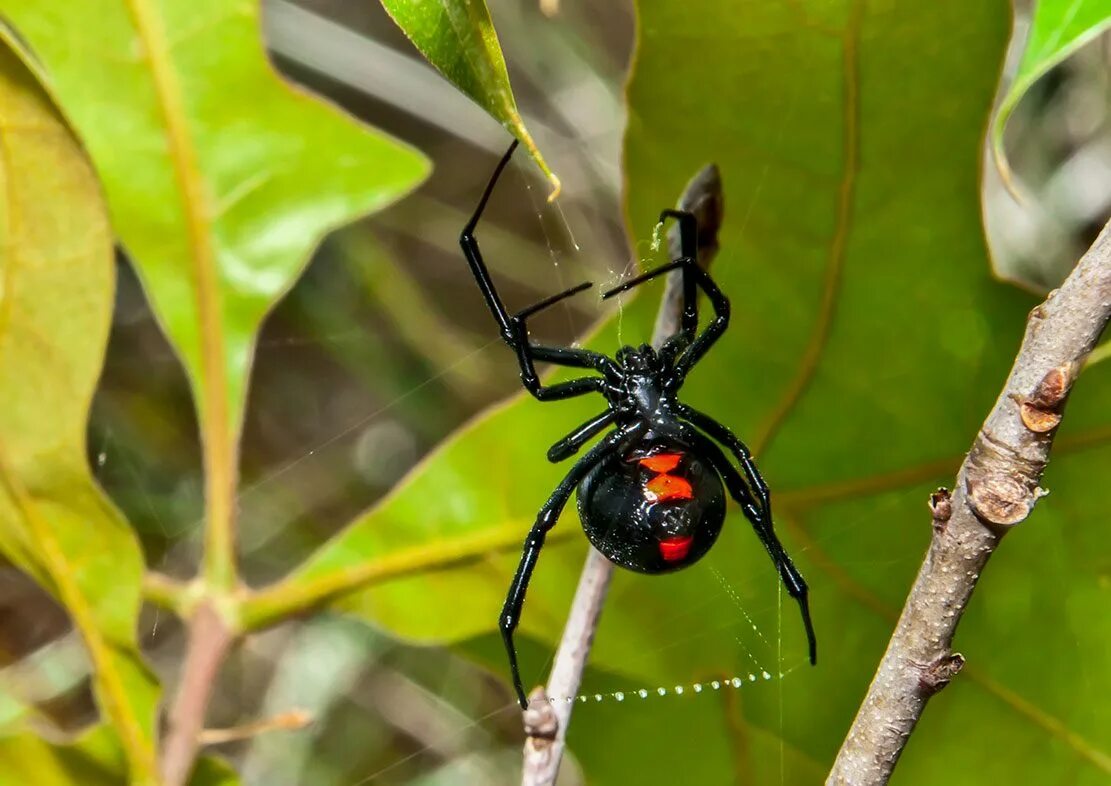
x=209, y=640
x=546, y=721
x=291, y=720
x=996, y=488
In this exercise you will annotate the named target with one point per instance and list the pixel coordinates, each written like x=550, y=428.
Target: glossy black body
x=632, y=519
x=625, y=522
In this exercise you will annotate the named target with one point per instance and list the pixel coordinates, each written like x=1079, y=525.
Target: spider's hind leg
x=762, y=524
x=545, y=520
x=739, y=449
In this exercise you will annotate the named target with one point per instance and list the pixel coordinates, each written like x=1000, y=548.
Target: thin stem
x=546, y=721
x=296, y=595
x=291, y=720
x=220, y=572
x=996, y=488
x=169, y=593
x=209, y=638
x=209, y=641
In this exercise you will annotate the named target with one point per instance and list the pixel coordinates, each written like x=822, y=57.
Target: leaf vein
x=845, y=199
x=214, y=414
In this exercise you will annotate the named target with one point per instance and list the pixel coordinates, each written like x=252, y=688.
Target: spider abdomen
x=654, y=509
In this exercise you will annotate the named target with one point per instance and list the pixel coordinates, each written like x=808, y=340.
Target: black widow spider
x=650, y=492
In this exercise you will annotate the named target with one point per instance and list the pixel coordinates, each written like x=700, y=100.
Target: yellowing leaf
x=56, y=294
x=92, y=760
x=220, y=180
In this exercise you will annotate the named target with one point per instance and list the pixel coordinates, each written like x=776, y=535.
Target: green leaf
x=219, y=202
x=458, y=38
x=56, y=295
x=94, y=759
x=869, y=340
x=1058, y=28
x=211, y=771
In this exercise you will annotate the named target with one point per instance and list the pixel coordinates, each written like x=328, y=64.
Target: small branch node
x=1001, y=483
x=1051, y=392
x=1041, y=412
x=999, y=499
x=1036, y=419
x=941, y=508
x=940, y=673
x=540, y=719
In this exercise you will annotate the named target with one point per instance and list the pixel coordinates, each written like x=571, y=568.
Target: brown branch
x=996, y=488
x=209, y=639
x=545, y=720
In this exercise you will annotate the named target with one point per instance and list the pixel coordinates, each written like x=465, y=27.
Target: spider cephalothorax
x=639, y=360
x=651, y=494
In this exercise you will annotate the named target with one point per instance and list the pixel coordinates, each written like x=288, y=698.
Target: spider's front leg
x=513, y=327
x=545, y=520
x=528, y=353
x=688, y=246
x=692, y=347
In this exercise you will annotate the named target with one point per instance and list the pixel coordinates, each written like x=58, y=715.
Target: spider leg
x=696, y=345
x=513, y=328
x=706, y=339
x=625, y=286
x=739, y=449
x=693, y=275
x=569, y=445
x=527, y=353
x=788, y=573
x=688, y=245
x=474, y=256
x=545, y=520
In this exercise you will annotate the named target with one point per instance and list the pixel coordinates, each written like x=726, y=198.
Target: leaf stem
x=218, y=436
x=209, y=640
x=169, y=593
x=209, y=637
x=294, y=596
x=996, y=488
